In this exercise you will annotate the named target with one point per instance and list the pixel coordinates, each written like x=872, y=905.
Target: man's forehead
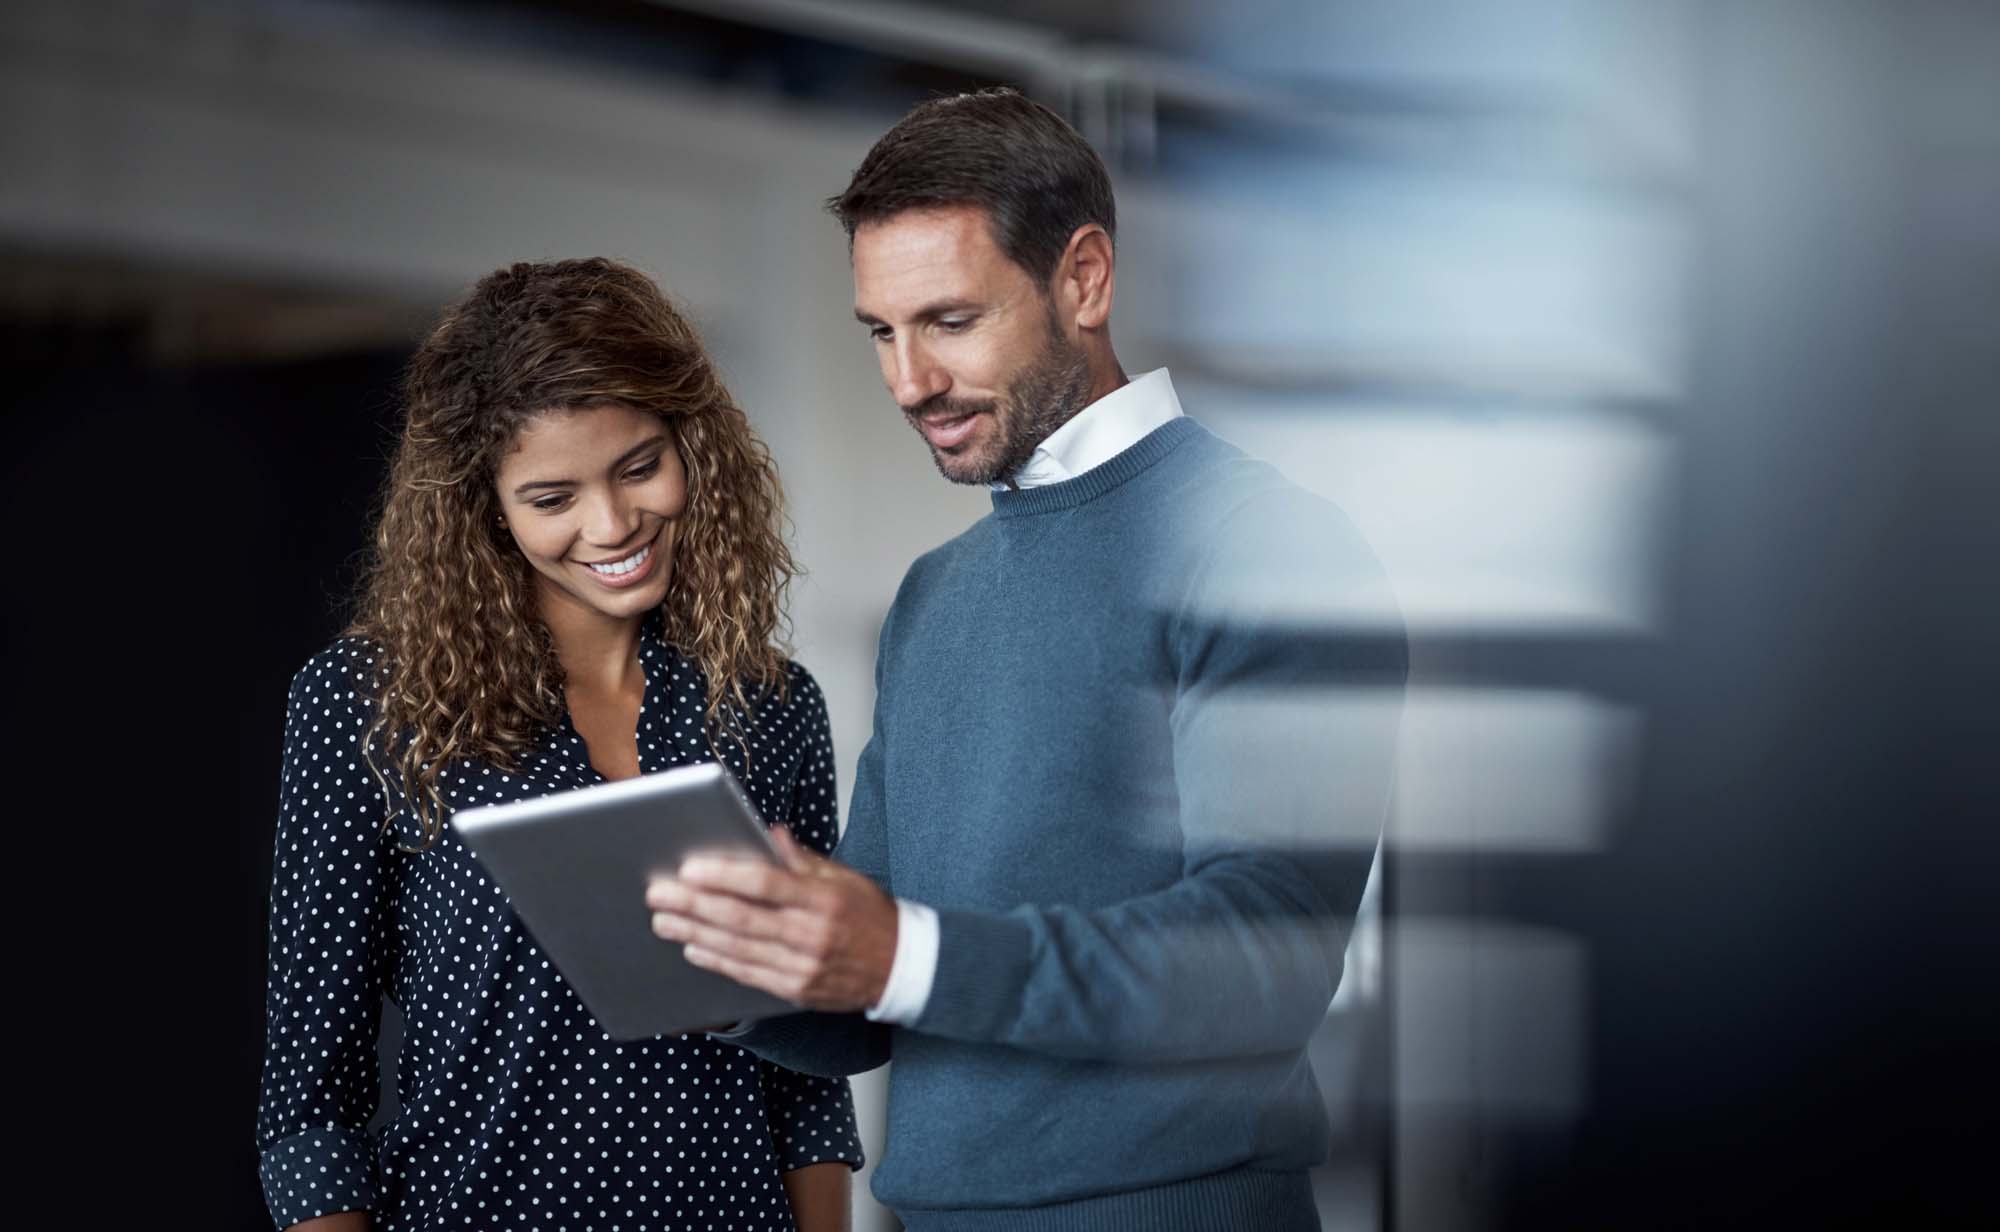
x=923, y=253
x=962, y=224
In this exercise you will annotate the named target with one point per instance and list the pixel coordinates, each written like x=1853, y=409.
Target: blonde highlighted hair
x=469, y=670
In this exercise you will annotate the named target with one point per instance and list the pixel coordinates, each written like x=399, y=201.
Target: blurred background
x=1654, y=344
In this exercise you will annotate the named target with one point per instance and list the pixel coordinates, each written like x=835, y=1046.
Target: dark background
x=216, y=514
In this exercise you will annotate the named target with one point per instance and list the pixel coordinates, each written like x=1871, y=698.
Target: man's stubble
x=1046, y=395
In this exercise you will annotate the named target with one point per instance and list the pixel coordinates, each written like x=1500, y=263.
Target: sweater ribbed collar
x=1098, y=480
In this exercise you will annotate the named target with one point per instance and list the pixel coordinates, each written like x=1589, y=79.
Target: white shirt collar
x=1101, y=431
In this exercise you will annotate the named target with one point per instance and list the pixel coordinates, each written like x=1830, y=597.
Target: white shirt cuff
x=914, y=968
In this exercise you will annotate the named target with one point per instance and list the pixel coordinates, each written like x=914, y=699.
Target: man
x=1128, y=768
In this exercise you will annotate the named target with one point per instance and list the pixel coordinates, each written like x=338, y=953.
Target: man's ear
x=1088, y=275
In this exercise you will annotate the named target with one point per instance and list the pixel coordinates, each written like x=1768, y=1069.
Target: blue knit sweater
x=1133, y=739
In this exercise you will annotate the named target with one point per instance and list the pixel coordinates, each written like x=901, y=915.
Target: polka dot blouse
x=517, y=1111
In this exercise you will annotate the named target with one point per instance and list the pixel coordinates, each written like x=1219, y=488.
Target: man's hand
x=814, y=932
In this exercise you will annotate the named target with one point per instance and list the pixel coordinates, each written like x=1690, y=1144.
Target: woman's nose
x=610, y=522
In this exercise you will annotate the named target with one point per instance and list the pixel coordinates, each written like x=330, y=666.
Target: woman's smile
x=625, y=571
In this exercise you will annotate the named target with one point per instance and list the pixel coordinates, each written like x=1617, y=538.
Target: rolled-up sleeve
x=812, y=1119
x=330, y=951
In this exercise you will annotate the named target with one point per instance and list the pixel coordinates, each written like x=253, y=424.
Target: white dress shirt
x=1094, y=436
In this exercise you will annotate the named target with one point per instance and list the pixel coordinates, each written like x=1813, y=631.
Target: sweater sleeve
x=1283, y=724
x=330, y=952
x=811, y=1115
x=836, y=1045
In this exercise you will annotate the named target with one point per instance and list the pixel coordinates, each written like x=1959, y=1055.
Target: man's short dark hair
x=1036, y=177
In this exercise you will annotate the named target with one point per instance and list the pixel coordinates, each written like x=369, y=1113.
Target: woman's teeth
x=630, y=563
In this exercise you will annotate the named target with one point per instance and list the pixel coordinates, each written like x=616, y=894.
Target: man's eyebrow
x=649, y=443
x=929, y=312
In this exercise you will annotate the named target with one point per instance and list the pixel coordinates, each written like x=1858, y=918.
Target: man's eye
x=953, y=325
x=880, y=333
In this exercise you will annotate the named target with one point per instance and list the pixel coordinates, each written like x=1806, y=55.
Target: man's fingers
x=777, y=983
x=752, y=879
x=668, y=894
x=771, y=954
x=744, y=917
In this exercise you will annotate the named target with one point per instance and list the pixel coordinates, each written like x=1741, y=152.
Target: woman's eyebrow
x=533, y=484
x=649, y=443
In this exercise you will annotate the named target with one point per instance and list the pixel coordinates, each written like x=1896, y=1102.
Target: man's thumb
x=793, y=856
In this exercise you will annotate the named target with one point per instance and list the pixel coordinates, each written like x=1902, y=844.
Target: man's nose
x=914, y=377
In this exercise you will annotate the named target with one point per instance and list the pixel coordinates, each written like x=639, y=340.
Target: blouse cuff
x=811, y=1119
x=807, y=1154
x=318, y=1172
x=807, y=1150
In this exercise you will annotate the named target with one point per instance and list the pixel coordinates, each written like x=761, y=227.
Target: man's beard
x=1046, y=395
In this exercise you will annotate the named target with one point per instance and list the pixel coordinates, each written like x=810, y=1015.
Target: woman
x=577, y=576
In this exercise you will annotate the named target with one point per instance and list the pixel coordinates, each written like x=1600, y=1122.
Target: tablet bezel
x=574, y=865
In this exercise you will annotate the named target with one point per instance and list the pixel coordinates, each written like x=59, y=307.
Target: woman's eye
x=549, y=504
x=645, y=471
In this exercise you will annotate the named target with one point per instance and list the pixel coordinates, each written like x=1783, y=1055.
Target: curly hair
x=469, y=670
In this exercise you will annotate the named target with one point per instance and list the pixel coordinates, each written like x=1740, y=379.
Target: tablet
x=576, y=863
